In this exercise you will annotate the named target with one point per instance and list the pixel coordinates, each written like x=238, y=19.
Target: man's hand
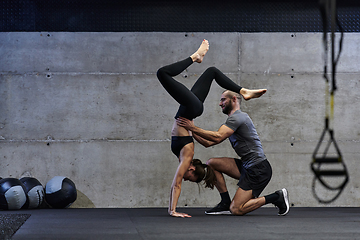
x=186, y=123
x=215, y=137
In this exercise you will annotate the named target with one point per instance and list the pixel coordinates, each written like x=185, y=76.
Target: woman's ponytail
x=204, y=172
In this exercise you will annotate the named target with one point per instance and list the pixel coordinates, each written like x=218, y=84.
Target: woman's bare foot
x=249, y=94
x=200, y=53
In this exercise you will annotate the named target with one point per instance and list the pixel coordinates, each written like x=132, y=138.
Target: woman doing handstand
x=191, y=106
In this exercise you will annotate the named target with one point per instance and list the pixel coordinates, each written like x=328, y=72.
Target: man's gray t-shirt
x=245, y=139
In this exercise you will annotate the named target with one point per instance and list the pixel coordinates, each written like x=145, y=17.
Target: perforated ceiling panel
x=171, y=16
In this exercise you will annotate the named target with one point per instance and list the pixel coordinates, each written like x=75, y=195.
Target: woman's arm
x=186, y=156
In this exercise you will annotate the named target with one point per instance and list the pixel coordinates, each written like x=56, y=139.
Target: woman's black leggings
x=191, y=102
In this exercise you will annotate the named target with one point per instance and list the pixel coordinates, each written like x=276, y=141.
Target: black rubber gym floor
x=155, y=223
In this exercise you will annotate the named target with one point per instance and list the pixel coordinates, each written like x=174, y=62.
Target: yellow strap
x=332, y=106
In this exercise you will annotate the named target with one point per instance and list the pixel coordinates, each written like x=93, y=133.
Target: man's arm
x=203, y=141
x=212, y=136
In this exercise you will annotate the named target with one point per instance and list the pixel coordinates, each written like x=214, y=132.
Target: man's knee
x=216, y=164
x=236, y=210
x=210, y=162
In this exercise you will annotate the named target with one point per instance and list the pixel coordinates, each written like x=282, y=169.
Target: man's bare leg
x=220, y=182
x=244, y=202
x=223, y=165
x=220, y=166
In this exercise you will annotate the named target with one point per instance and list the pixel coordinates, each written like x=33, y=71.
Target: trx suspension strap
x=325, y=158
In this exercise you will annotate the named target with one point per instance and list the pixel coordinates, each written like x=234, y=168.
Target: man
x=253, y=170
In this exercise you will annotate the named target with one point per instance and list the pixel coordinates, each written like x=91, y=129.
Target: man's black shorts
x=255, y=178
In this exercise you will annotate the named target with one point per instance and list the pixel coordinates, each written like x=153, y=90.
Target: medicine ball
x=12, y=194
x=60, y=192
x=34, y=190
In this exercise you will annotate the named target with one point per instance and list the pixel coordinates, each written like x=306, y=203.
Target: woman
x=191, y=106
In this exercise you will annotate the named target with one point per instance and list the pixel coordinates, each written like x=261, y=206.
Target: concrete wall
x=89, y=106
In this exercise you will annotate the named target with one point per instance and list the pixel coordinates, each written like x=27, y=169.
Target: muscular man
x=253, y=170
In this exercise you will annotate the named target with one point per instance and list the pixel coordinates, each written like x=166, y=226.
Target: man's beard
x=227, y=109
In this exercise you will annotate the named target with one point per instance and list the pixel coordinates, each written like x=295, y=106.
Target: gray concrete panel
x=290, y=109
x=349, y=58
x=281, y=52
x=109, y=52
x=97, y=106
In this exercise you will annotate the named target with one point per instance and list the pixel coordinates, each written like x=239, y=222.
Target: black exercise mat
x=10, y=223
